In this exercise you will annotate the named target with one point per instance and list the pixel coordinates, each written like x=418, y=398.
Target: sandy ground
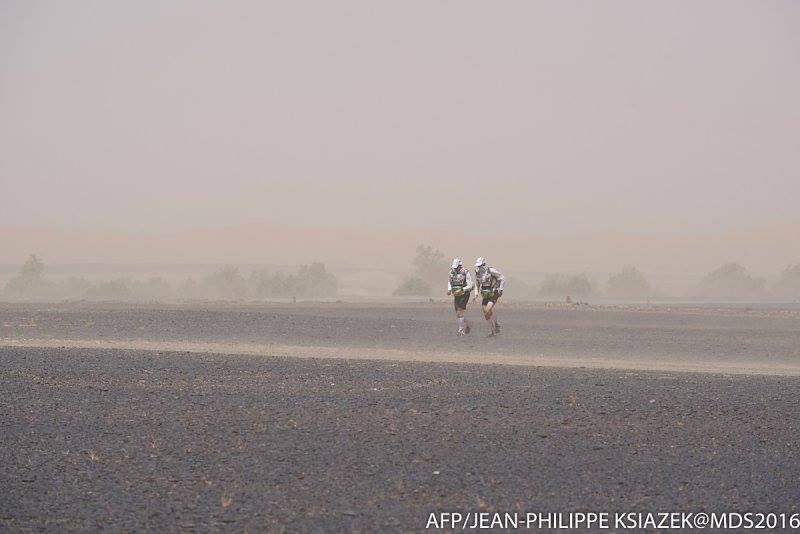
x=691, y=339
x=161, y=425
x=296, y=351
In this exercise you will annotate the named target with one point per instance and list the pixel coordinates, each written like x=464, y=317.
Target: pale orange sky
x=523, y=122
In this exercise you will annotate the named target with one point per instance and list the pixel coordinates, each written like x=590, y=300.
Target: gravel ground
x=736, y=336
x=130, y=440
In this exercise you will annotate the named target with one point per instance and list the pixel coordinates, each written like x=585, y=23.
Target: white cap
x=456, y=263
x=481, y=261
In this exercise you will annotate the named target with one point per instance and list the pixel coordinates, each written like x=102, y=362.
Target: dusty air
x=364, y=266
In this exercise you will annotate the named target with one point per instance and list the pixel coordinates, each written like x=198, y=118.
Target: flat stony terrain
x=676, y=335
x=129, y=440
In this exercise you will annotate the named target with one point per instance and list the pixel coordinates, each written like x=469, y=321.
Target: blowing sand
x=682, y=339
x=298, y=351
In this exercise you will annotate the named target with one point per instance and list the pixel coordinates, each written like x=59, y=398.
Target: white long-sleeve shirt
x=491, y=277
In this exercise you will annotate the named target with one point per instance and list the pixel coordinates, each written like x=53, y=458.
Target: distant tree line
x=309, y=281
x=731, y=280
x=728, y=281
x=428, y=277
x=227, y=283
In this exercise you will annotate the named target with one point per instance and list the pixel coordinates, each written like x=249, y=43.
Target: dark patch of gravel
x=130, y=440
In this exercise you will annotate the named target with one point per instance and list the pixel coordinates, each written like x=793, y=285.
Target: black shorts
x=493, y=298
x=460, y=301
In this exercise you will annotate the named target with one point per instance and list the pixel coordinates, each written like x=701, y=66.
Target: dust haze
x=145, y=148
x=226, y=235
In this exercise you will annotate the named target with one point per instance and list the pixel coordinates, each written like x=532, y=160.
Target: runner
x=459, y=284
x=490, y=283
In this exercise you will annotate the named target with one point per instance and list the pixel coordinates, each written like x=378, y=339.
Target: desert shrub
x=730, y=280
x=310, y=281
x=152, y=288
x=788, y=283
x=561, y=285
x=30, y=280
x=430, y=265
x=413, y=286
x=314, y=281
x=75, y=287
x=188, y=289
x=273, y=285
x=225, y=283
x=112, y=289
x=430, y=269
x=630, y=283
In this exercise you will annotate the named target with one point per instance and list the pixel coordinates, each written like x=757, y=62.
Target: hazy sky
x=540, y=118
